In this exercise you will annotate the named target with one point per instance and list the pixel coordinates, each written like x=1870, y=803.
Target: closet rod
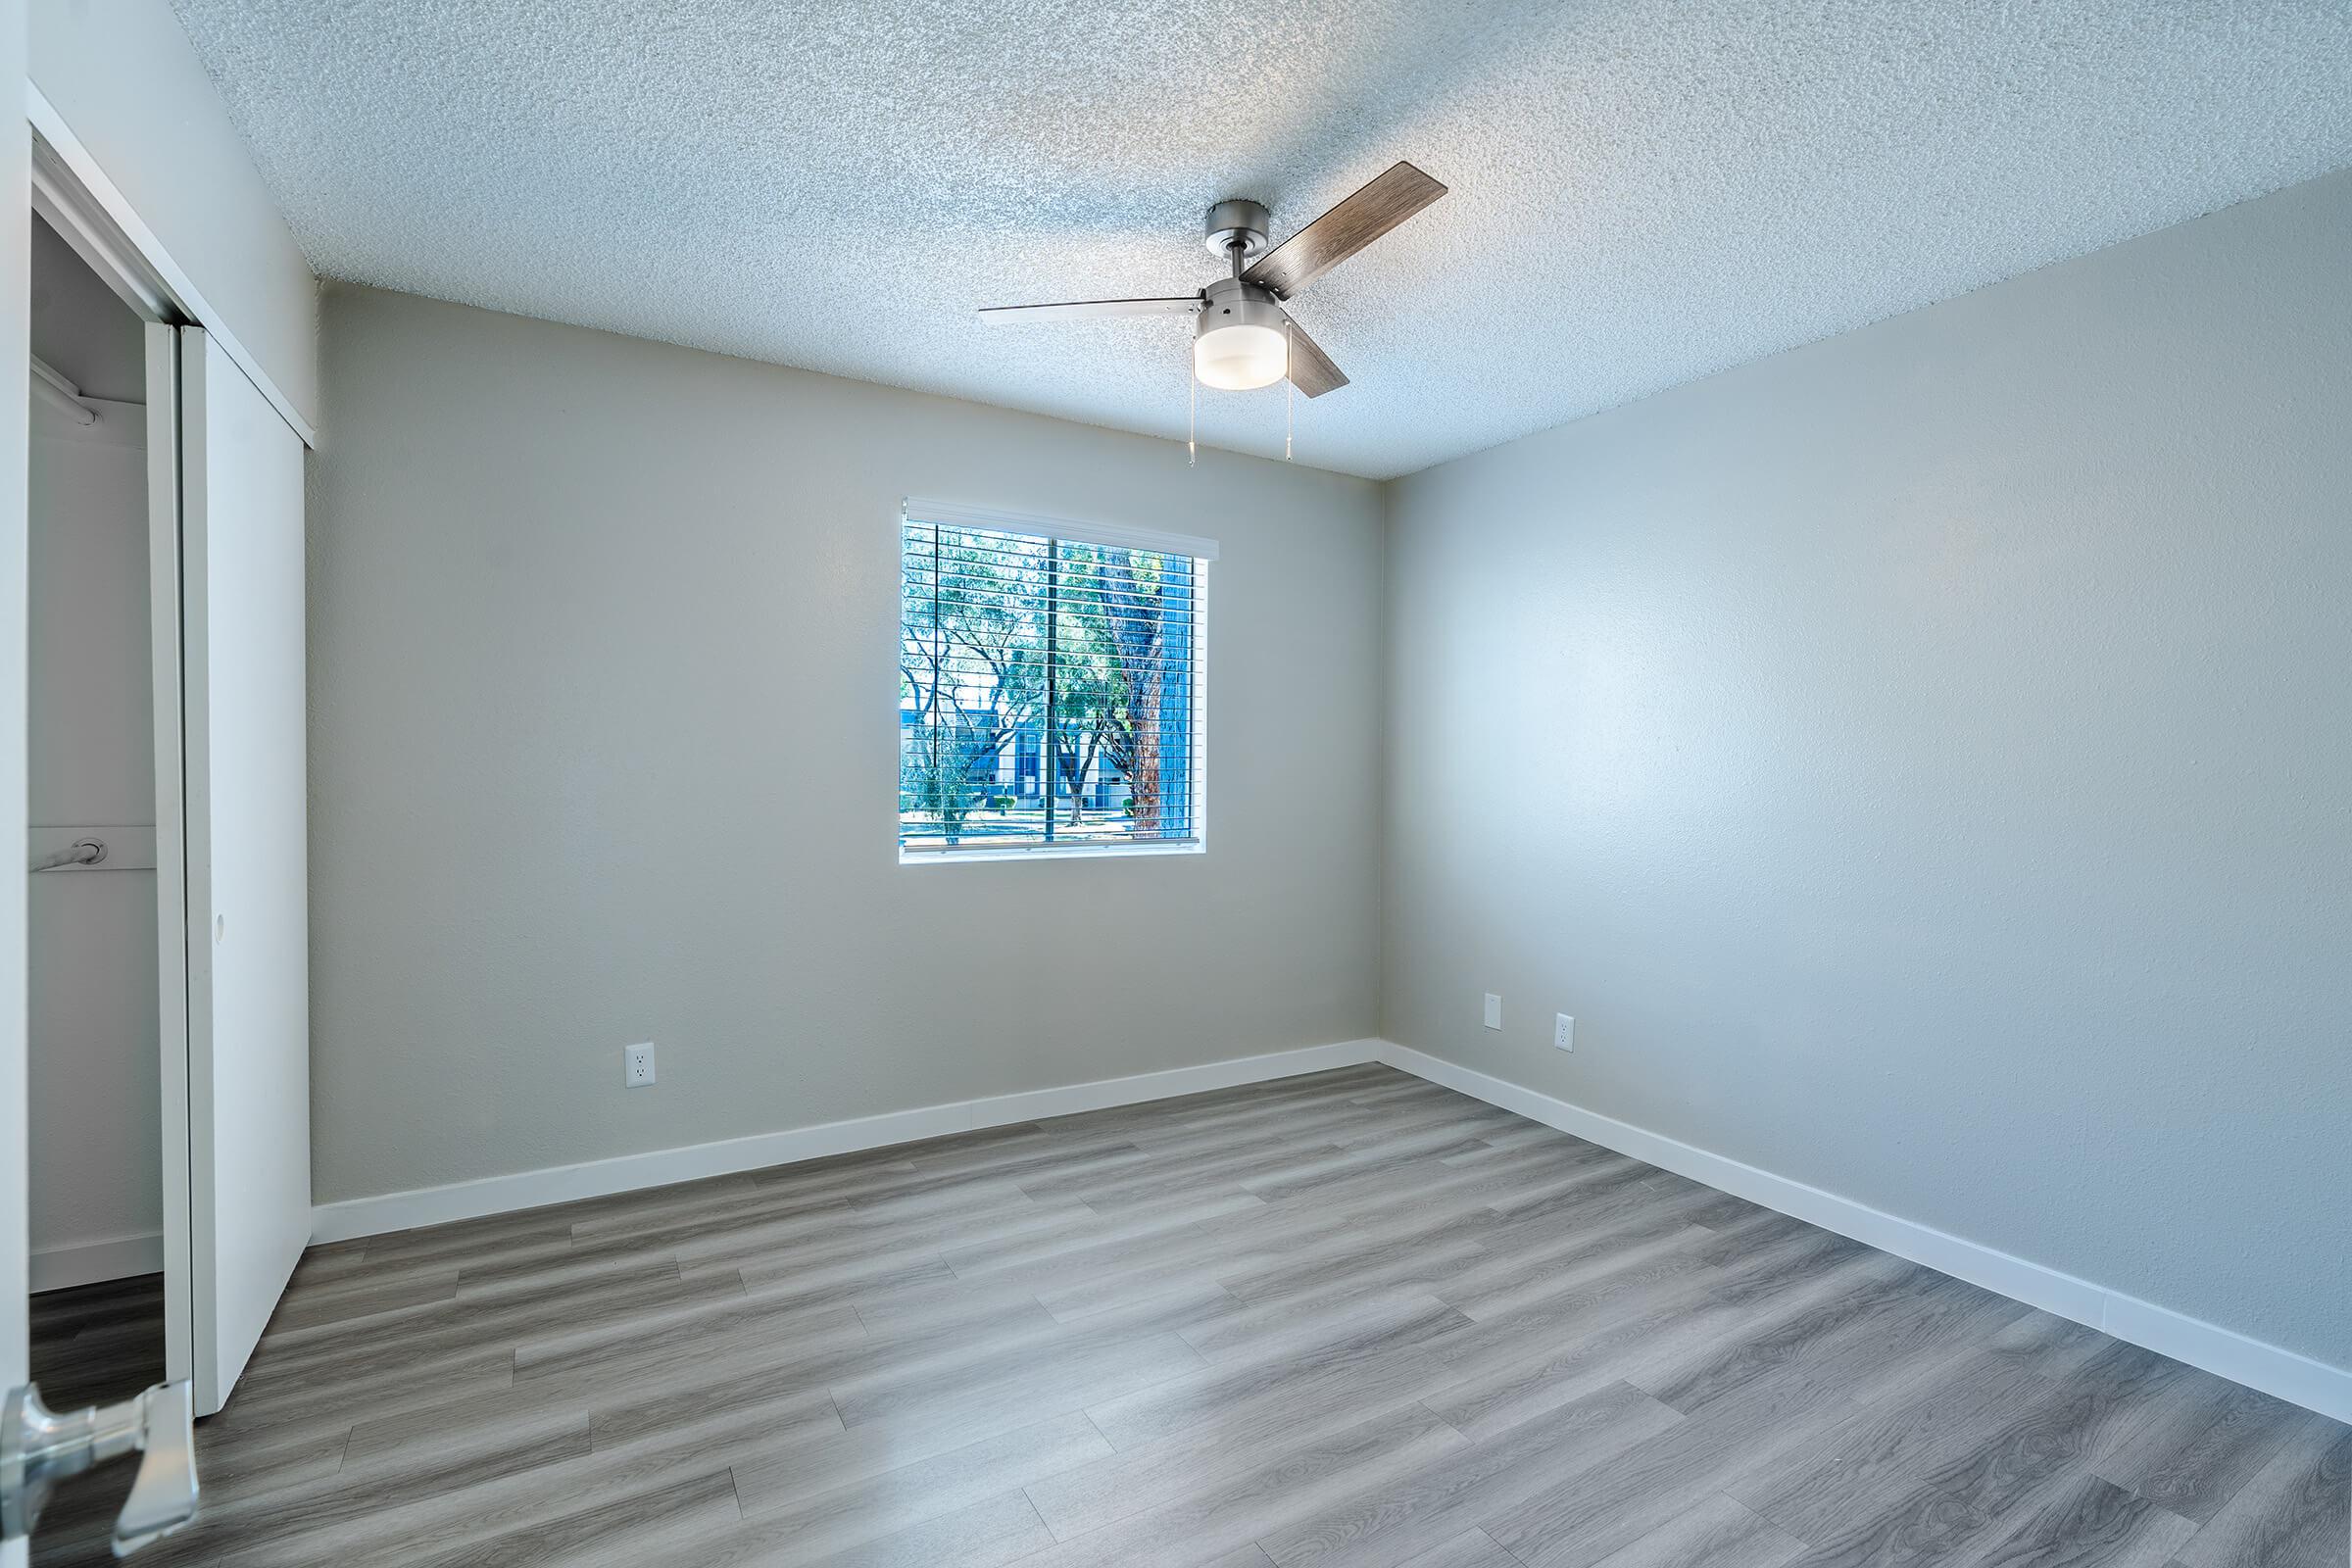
x=63, y=393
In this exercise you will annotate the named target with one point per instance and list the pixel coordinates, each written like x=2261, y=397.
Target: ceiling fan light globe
x=1239, y=358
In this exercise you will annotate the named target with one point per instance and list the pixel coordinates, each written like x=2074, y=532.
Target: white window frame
x=1118, y=536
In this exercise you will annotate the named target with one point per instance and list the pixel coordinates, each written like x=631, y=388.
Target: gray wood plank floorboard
x=1350, y=1320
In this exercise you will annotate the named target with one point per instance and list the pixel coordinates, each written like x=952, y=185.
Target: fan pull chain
x=1290, y=391
x=1192, y=429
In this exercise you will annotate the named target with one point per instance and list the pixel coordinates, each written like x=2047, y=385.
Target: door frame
x=15, y=451
x=62, y=197
x=166, y=663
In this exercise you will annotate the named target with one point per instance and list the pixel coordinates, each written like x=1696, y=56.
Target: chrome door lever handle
x=39, y=1447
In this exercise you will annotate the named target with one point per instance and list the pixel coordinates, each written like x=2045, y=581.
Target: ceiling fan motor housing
x=1230, y=302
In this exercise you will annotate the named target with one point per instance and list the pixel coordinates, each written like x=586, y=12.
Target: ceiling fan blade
x=1343, y=230
x=1311, y=369
x=1087, y=310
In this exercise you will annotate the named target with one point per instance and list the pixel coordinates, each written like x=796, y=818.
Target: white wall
x=127, y=83
x=97, y=1175
x=603, y=730
x=1920, y=763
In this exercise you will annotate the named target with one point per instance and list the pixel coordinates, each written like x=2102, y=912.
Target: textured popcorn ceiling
x=1644, y=191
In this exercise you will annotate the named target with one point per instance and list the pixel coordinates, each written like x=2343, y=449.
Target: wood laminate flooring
x=1347, y=1319
x=93, y=1345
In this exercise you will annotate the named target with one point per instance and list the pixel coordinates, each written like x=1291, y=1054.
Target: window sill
x=1050, y=852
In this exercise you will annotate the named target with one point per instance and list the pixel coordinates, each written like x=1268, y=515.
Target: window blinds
x=1049, y=686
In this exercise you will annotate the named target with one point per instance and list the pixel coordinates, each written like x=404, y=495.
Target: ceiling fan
x=1241, y=336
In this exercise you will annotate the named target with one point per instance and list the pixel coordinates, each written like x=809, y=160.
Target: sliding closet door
x=247, y=913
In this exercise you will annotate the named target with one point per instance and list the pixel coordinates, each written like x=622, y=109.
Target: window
x=1049, y=686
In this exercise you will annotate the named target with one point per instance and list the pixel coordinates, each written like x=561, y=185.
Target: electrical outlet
x=1493, y=1012
x=637, y=1065
x=1563, y=1032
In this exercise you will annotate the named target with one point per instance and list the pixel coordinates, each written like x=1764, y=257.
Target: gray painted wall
x=84, y=334
x=1921, y=764
x=96, y=1143
x=603, y=729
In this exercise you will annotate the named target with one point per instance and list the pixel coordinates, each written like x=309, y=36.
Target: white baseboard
x=535, y=1188
x=118, y=1258
x=2313, y=1385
